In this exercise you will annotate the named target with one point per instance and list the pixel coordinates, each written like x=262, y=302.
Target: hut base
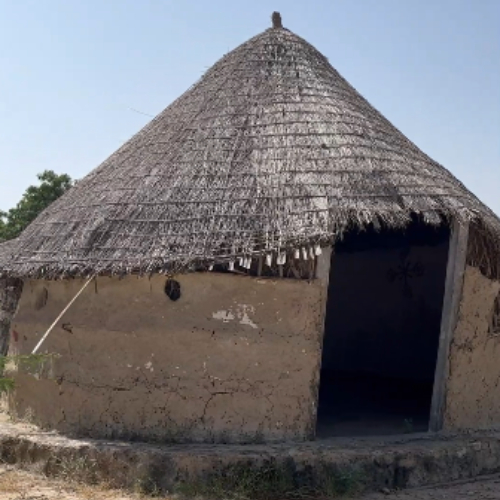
x=328, y=468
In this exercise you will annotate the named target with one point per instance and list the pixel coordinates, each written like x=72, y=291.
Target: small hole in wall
x=173, y=289
x=41, y=299
x=495, y=317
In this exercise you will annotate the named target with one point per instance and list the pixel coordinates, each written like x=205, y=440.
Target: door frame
x=455, y=270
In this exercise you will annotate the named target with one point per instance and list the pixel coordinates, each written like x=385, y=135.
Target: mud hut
x=268, y=259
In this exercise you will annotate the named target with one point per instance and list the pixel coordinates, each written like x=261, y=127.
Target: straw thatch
x=272, y=150
x=6, y=251
x=10, y=292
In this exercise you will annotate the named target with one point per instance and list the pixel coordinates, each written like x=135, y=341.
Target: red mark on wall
x=15, y=335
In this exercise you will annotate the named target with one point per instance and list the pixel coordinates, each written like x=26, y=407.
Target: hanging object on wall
x=173, y=289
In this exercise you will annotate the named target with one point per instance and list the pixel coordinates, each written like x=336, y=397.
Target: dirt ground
x=22, y=485
x=483, y=489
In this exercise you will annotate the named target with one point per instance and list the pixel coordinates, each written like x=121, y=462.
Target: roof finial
x=276, y=17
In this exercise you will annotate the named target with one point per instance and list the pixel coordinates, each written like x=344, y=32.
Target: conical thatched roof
x=6, y=252
x=6, y=248
x=272, y=149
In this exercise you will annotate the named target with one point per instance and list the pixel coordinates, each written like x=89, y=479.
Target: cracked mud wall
x=473, y=386
x=236, y=359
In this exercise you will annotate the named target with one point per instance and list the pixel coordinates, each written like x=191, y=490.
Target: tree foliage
x=35, y=199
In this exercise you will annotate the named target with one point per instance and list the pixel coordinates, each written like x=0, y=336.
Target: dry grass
x=18, y=484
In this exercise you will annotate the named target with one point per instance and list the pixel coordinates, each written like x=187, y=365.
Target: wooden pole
x=63, y=312
x=457, y=255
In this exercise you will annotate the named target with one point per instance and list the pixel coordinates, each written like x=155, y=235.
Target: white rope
x=63, y=312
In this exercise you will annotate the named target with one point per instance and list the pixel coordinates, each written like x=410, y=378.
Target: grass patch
x=26, y=485
x=33, y=364
x=82, y=470
x=274, y=481
x=147, y=487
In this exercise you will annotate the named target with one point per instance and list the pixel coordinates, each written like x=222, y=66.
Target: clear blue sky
x=72, y=69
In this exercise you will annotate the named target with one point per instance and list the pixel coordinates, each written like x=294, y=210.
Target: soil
x=480, y=489
x=22, y=485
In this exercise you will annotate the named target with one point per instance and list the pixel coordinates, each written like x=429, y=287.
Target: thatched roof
x=271, y=150
x=6, y=246
x=6, y=251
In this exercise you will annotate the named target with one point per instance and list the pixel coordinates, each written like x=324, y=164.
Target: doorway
x=382, y=329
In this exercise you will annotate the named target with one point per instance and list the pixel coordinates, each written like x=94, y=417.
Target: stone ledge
x=366, y=463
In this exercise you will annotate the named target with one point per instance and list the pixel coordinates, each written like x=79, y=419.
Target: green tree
x=3, y=230
x=35, y=199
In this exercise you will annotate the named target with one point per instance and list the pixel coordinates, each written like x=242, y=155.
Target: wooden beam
x=322, y=275
x=61, y=314
x=323, y=267
x=455, y=270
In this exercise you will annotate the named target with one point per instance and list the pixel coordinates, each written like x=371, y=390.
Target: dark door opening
x=382, y=330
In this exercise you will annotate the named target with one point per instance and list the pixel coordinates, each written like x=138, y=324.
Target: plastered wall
x=236, y=359
x=473, y=389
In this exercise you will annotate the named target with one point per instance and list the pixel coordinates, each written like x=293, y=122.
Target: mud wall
x=472, y=391
x=235, y=359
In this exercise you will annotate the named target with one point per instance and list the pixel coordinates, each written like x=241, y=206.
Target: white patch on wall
x=225, y=316
x=245, y=318
x=241, y=313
